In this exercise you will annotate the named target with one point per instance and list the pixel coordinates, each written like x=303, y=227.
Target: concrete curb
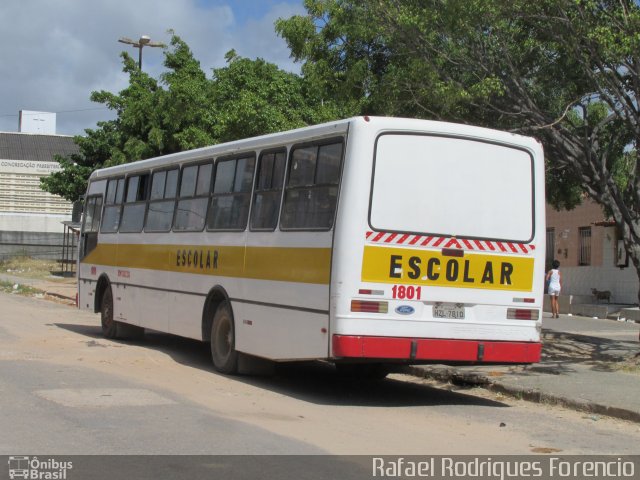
x=36, y=285
x=60, y=296
x=451, y=375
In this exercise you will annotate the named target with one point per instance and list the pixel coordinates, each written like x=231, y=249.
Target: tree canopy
x=564, y=71
x=561, y=70
x=184, y=109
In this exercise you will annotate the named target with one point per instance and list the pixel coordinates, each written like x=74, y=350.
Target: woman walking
x=554, y=277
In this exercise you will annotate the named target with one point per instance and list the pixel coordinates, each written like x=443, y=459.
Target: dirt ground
x=28, y=267
x=42, y=279
x=307, y=403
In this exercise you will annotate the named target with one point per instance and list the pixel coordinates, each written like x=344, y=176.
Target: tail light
x=522, y=314
x=369, y=307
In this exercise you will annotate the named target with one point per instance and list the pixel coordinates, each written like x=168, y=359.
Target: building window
x=622, y=257
x=551, y=248
x=584, y=246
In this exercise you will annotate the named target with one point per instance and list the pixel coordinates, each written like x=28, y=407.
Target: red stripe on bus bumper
x=436, y=349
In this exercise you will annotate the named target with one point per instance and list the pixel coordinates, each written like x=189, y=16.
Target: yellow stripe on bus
x=303, y=265
x=430, y=267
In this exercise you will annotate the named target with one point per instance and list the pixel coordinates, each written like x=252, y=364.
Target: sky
x=53, y=54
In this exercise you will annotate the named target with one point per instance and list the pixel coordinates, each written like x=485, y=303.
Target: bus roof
x=310, y=133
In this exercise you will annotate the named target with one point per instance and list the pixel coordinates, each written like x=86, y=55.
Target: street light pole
x=144, y=41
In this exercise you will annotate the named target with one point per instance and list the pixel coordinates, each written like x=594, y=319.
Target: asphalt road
x=65, y=390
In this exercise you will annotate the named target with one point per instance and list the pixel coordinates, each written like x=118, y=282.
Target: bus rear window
x=452, y=187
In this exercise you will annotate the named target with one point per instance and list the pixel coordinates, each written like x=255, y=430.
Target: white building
x=589, y=248
x=30, y=218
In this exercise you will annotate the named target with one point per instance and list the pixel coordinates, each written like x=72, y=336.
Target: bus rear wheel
x=223, y=351
x=111, y=328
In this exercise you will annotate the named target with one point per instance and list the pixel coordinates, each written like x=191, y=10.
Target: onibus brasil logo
x=33, y=468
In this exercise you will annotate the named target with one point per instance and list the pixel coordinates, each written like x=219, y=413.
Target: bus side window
x=231, y=194
x=164, y=186
x=134, y=204
x=91, y=224
x=113, y=206
x=195, y=186
x=312, y=189
x=268, y=191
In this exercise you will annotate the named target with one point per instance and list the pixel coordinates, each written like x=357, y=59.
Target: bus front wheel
x=109, y=325
x=223, y=352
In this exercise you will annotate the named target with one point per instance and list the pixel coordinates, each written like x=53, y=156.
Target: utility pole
x=144, y=41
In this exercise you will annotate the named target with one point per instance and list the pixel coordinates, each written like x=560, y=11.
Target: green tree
x=344, y=56
x=565, y=71
x=150, y=121
x=254, y=97
x=184, y=110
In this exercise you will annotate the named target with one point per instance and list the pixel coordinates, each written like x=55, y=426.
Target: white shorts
x=554, y=292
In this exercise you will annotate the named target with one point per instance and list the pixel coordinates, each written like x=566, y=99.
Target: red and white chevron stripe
x=410, y=240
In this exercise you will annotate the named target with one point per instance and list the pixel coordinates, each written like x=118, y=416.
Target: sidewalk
x=587, y=364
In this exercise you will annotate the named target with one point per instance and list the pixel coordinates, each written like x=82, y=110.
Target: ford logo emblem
x=405, y=310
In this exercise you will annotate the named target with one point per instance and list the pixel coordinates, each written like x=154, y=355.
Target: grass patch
x=16, y=288
x=28, y=267
x=630, y=365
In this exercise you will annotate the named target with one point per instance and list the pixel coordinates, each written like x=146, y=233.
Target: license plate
x=448, y=310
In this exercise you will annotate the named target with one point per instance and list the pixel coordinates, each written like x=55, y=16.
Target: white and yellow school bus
x=366, y=242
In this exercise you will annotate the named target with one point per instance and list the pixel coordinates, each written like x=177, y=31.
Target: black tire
x=109, y=325
x=113, y=329
x=223, y=341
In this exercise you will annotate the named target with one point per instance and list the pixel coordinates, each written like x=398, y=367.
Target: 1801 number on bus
x=404, y=292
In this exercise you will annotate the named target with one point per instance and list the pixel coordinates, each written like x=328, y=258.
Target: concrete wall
x=30, y=222
x=32, y=244
x=621, y=282
x=566, y=226
x=33, y=235
x=603, y=272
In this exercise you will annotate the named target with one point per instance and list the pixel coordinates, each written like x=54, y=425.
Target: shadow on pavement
x=562, y=352
x=600, y=354
x=315, y=382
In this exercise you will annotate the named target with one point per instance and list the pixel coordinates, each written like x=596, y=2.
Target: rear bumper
x=435, y=349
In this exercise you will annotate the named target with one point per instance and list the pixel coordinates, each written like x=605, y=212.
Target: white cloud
x=54, y=54
x=254, y=32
